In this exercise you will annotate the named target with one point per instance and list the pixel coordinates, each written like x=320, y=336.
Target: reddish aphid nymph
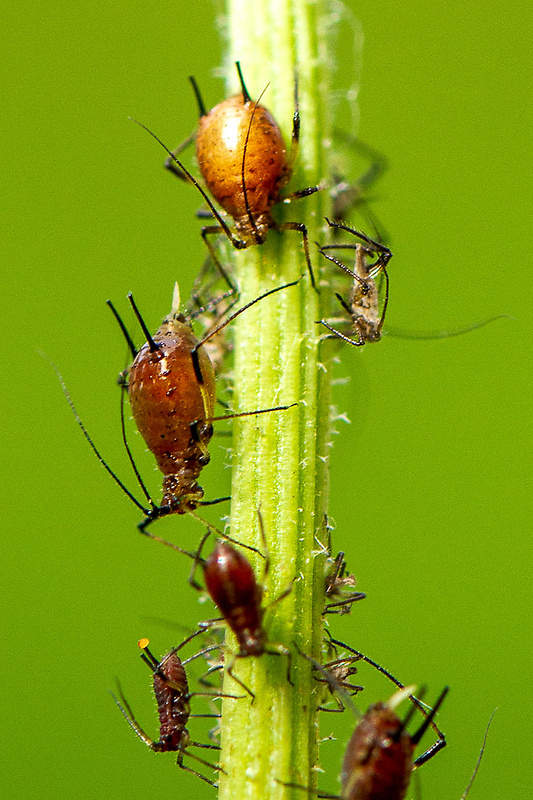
x=233, y=587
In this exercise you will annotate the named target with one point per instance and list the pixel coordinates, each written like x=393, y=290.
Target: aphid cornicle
x=362, y=308
x=245, y=165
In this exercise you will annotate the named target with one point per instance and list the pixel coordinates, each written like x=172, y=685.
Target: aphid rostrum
x=362, y=307
x=245, y=165
x=171, y=690
x=171, y=386
x=231, y=583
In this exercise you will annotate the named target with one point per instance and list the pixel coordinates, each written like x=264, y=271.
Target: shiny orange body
x=379, y=758
x=239, y=140
x=166, y=398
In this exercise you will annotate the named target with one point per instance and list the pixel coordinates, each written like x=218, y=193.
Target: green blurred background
x=437, y=454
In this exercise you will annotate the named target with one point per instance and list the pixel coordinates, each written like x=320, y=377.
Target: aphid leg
x=209, y=230
x=181, y=765
x=416, y=737
x=357, y=343
x=198, y=560
x=170, y=162
x=229, y=670
x=301, y=228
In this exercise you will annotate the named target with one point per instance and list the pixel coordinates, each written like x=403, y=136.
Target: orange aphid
x=244, y=162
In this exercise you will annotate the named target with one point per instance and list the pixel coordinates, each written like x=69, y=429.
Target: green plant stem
x=279, y=459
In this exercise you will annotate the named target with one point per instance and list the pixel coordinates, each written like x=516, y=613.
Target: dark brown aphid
x=171, y=385
x=244, y=162
x=171, y=690
x=378, y=761
x=233, y=587
x=362, y=308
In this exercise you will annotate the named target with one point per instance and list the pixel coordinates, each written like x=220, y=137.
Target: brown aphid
x=233, y=587
x=340, y=586
x=362, y=307
x=378, y=761
x=244, y=162
x=171, y=690
x=171, y=388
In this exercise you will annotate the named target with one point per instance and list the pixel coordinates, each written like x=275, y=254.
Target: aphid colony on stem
x=244, y=162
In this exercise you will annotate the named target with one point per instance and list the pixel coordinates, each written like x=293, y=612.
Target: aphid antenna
x=479, y=759
x=258, y=237
x=373, y=244
x=128, y=715
x=93, y=447
x=429, y=335
x=128, y=450
x=239, y=311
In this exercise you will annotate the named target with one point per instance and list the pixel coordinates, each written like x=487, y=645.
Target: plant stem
x=279, y=459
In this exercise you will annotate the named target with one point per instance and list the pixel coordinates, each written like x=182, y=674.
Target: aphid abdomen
x=378, y=760
x=220, y=149
x=170, y=405
x=171, y=693
x=232, y=585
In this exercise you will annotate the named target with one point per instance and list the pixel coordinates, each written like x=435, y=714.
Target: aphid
x=339, y=587
x=339, y=584
x=233, y=587
x=362, y=307
x=244, y=162
x=378, y=760
x=172, y=695
x=171, y=387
